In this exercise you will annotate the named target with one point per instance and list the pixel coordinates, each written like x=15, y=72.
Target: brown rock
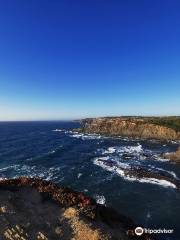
x=173, y=156
x=43, y=210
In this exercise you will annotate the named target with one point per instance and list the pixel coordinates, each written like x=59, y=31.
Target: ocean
x=96, y=165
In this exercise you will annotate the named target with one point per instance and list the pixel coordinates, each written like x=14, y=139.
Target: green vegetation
x=171, y=122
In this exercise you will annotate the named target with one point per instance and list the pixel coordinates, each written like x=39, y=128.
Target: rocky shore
x=138, y=173
x=147, y=128
x=173, y=156
x=35, y=209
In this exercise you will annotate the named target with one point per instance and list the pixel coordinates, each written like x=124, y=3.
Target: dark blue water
x=51, y=151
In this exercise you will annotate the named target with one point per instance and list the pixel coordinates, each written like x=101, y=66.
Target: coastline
x=144, y=128
x=97, y=172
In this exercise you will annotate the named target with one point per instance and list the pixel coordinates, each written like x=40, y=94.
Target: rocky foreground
x=148, y=128
x=33, y=209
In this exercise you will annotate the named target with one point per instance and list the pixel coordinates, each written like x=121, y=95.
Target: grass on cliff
x=171, y=122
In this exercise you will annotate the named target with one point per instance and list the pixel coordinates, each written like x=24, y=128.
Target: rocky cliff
x=129, y=127
x=35, y=209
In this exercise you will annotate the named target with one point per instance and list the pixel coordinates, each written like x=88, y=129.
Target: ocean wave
x=161, y=182
x=85, y=136
x=108, y=150
x=126, y=172
x=171, y=173
x=79, y=175
x=51, y=152
x=31, y=171
x=131, y=149
x=175, y=141
x=123, y=149
x=126, y=152
x=100, y=199
x=90, y=136
x=58, y=130
x=63, y=131
x=159, y=158
x=110, y=166
x=54, y=150
x=132, y=152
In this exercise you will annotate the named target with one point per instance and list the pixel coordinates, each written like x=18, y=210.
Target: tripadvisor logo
x=139, y=231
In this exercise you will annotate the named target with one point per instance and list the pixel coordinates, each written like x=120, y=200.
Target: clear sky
x=66, y=59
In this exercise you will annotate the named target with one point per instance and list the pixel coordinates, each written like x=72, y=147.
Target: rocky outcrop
x=35, y=209
x=174, y=156
x=129, y=127
x=141, y=174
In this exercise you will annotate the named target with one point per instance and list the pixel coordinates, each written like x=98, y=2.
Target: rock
x=3, y=209
x=173, y=156
x=58, y=231
x=139, y=173
x=43, y=210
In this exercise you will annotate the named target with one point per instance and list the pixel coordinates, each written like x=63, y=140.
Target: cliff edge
x=148, y=128
x=35, y=209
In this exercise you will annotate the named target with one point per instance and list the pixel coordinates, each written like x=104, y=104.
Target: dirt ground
x=33, y=209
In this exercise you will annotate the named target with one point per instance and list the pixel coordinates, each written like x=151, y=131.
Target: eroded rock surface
x=35, y=209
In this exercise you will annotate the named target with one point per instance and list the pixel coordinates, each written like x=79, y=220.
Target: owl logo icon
x=139, y=231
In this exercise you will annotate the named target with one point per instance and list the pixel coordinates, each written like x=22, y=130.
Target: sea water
x=96, y=165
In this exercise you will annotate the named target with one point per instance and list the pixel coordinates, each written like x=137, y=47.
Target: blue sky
x=71, y=59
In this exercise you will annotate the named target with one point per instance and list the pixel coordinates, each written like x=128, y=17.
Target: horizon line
x=80, y=118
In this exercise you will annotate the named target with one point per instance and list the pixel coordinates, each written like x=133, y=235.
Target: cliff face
x=129, y=127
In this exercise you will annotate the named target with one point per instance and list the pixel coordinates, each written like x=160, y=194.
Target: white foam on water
x=112, y=166
x=64, y=131
x=133, y=152
x=173, y=174
x=160, y=182
x=33, y=171
x=79, y=175
x=29, y=159
x=77, y=135
x=58, y=130
x=119, y=169
x=100, y=199
x=51, y=152
x=4, y=169
x=148, y=215
x=166, y=171
x=175, y=141
x=130, y=149
x=109, y=150
x=101, y=160
x=2, y=178
x=136, y=150
x=160, y=158
x=85, y=136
